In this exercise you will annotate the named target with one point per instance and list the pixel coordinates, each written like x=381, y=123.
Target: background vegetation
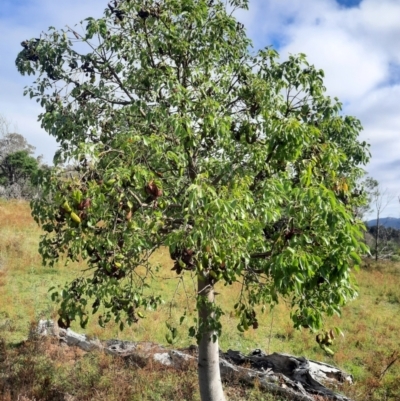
x=42, y=370
x=18, y=165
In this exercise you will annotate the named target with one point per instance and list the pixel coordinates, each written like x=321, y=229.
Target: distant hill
x=392, y=222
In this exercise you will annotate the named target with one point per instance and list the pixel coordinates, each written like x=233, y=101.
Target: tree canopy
x=18, y=166
x=185, y=138
x=11, y=142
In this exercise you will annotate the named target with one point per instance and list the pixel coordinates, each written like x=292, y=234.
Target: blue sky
x=356, y=43
x=349, y=3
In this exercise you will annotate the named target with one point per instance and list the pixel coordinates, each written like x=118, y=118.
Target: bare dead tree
x=380, y=200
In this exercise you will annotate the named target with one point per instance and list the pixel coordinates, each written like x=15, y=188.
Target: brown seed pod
x=187, y=257
x=153, y=190
x=177, y=268
x=175, y=254
x=84, y=204
x=64, y=322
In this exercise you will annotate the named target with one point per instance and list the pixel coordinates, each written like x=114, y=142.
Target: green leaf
x=356, y=258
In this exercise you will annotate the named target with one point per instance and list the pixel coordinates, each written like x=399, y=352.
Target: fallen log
x=291, y=376
x=295, y=378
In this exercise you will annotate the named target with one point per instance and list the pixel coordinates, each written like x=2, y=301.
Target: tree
x=16, y=167
x=11, y=142
x=4, y=125
x=368, y=188
x=379, y=200
x=17, y=163
x=235, y=161
x=18, y=175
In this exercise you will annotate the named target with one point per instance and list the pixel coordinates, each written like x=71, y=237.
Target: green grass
x=370, y=326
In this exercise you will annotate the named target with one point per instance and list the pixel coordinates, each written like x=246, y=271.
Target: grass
x=44, y=371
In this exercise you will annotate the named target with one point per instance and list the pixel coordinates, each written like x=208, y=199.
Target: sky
x=355, y=42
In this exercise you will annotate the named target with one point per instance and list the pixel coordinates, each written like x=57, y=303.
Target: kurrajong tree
x=184, y=138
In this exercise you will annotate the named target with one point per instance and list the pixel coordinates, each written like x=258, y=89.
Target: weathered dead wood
x=295, y=378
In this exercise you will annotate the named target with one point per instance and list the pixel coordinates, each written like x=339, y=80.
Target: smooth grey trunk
x=208, y=365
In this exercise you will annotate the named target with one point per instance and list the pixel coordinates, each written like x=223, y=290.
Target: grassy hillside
x=371, y=327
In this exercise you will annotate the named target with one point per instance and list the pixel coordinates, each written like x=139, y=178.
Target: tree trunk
x=208, y=363
x=377, y=237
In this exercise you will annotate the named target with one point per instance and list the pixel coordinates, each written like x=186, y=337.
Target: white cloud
x=354, y=46
x=348, y=74
x=358, y=48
